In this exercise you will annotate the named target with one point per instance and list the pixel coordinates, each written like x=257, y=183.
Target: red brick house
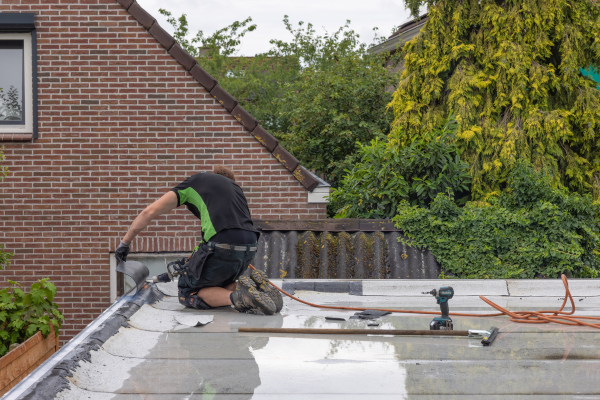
x=112, y=114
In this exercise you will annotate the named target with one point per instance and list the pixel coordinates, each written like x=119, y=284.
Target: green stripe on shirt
x=190, y=196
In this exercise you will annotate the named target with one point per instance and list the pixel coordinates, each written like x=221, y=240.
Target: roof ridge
x=230, y=104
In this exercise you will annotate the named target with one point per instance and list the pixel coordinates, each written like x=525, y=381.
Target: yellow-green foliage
x=510, y=71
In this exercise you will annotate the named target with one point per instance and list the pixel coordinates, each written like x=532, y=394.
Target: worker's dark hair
x=226, y=172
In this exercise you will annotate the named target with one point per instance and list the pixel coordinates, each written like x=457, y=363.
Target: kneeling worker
x=229, y=241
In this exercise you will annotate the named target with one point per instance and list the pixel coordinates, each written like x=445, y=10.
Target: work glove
x=121, y=252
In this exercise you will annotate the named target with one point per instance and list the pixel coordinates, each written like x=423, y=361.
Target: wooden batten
x=20, y=362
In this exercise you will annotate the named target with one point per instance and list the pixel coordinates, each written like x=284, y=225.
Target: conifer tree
x=511, y=72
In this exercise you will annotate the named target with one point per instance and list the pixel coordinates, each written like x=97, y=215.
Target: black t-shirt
x=219, y=203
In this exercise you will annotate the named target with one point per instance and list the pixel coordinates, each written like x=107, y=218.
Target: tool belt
x=232, y=247
x=197, y=260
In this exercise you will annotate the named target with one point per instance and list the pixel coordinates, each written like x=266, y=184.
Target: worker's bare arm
x=161, y=206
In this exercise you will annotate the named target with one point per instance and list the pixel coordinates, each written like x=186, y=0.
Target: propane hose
x=526, y=317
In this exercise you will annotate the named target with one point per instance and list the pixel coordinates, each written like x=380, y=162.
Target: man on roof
x=212, y=277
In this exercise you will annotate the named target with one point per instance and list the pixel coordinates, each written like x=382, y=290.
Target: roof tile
x=284, y=157
x=126, y=3
x=265, y=138
x=182, y=56
x=227, y=100
x=203, y=77
x=244, y=118
x=162, y=36
x=141, y=15
x=306, y=178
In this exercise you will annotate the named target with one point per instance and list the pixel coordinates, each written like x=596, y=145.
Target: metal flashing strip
x=46, y=367
x=352, y=287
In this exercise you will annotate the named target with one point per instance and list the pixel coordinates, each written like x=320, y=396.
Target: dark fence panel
x=367, y=249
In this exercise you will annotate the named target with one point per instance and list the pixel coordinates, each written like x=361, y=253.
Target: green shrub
x=23, y=315
x=529, y=230
x=384, y=175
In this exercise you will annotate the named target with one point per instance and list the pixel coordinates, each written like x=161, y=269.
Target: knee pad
x=194, y=301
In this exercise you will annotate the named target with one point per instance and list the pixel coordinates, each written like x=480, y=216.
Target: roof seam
x=231, y=105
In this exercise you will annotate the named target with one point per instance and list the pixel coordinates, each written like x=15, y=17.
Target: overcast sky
x=210, y=15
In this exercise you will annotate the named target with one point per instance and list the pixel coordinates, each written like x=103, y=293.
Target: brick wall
x=120, y=122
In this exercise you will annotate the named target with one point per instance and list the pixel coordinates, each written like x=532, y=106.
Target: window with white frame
x=18, y=81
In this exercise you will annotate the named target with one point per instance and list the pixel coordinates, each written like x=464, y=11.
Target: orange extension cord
x=527, y=317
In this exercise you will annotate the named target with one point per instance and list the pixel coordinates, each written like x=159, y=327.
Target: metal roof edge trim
x=137, y=12
x=328, y=225
x=81, y=345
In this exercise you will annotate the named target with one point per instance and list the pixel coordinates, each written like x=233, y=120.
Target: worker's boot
x=246, y=298
x=262, y=283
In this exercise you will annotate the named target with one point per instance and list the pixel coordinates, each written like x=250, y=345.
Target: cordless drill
x=443, y=323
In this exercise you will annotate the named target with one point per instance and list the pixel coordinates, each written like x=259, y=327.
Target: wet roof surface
x=158, y=357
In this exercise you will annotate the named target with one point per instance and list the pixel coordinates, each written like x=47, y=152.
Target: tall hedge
x=531, y=230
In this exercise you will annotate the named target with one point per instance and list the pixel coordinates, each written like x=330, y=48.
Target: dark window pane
x=11, y=81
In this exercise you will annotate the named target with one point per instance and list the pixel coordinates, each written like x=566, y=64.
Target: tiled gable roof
x=227, y=101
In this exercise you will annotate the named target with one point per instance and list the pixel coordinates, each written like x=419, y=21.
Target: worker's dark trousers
x=221, y=268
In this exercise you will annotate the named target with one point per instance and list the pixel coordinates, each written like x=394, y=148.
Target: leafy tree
x=319, y=94
x=529, y=230
x=510, y=71
x=333, y=110
x=385, y=176
x=4, y=256
x=255, y=81
x=223, y=42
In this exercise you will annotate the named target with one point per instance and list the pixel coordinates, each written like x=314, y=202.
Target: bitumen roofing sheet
x=158, y=355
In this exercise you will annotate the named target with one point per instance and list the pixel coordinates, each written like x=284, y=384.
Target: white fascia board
x=319, y=195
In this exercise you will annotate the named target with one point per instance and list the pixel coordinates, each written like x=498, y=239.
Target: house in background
x=106, y=113
x=403, y=34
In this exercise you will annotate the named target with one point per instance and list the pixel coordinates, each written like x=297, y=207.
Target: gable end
x=212, y=86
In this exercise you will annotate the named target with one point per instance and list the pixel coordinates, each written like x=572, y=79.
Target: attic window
x=18, y=77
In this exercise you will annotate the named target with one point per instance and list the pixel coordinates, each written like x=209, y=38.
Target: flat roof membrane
x=156, y=354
